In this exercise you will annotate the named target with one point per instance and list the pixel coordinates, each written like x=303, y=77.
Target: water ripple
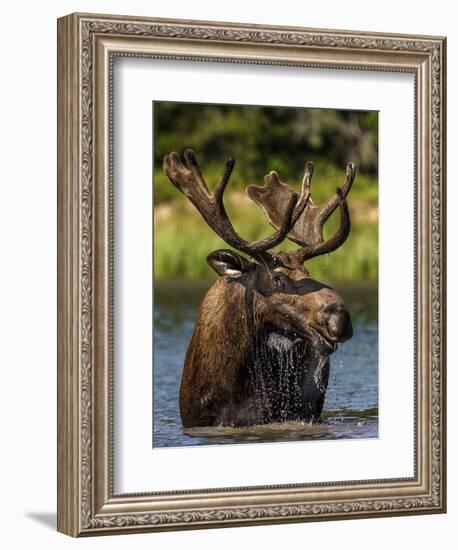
x=351, y=406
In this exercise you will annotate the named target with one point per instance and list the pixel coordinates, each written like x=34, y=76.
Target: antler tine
x=280, y=235
x=308, y=251
x=192, y=164
x=187, y=179
x=308, y=218
x=190, y=181
x=307, y=178
x=274, y=196
x=328, y=207
x=224, y=180
x=317, y=245
x=305, y=195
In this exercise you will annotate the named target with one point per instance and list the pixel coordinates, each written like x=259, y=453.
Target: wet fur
x=231, y=354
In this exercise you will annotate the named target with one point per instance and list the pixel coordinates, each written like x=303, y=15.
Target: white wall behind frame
x=28, y=274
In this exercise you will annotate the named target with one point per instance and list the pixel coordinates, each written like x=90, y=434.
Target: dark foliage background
x=263, y=139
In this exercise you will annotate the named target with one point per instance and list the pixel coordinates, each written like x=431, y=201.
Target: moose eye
x=278, y=281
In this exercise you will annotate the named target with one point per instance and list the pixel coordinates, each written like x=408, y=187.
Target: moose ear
x=229, y=263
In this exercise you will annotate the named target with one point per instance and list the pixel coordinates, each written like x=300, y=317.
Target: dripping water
x=276, y=377
x=351, y=396
x=332, y=401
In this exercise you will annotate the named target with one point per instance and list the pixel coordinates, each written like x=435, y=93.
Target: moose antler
x=190, y=181
x=307, y=231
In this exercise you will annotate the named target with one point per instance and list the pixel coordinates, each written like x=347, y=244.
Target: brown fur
x=264, y=331
x=216, y=386
x=214, y=376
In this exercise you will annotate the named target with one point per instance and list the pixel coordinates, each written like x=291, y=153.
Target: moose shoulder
x=265, y=329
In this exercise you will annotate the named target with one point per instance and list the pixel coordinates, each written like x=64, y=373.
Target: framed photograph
x=251, y=290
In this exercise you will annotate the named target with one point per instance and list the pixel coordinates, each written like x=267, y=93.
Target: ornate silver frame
x=87, y=44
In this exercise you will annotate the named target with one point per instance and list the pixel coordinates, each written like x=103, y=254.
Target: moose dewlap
x=265, y=329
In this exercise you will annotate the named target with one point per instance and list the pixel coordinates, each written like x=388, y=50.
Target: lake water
x=351, y=406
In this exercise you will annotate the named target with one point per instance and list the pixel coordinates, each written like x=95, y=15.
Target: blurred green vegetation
x=263, y=139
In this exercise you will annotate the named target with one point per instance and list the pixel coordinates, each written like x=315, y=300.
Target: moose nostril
x=339, y=324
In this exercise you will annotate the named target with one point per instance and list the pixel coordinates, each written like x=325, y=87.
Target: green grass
x=182, y=240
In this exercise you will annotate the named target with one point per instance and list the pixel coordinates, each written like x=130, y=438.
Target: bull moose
x=265, y=329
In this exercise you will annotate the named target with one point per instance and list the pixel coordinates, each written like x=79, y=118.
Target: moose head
x=265, y=329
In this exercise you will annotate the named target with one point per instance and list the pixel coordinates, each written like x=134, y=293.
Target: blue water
x=351, y=406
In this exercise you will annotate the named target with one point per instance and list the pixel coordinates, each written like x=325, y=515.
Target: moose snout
x=338, y=323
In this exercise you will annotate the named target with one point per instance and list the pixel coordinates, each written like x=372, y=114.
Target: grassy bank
x=182, y=240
